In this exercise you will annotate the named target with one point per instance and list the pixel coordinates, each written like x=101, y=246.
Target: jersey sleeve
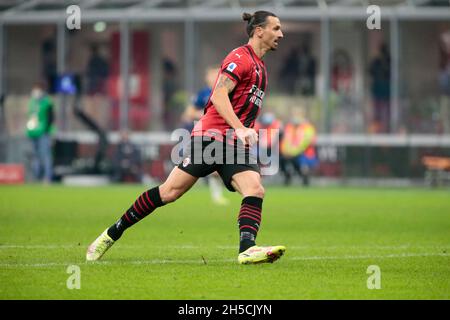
x=235, y=66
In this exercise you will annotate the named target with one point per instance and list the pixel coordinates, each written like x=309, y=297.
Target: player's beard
x=274, y=47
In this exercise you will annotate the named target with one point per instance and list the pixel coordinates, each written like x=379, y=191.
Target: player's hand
x=247, y=136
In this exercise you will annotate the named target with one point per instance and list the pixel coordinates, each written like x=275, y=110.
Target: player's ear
x=259, y=31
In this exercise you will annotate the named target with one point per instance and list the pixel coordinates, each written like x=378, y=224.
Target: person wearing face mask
x=298, y=148
x=39, y=128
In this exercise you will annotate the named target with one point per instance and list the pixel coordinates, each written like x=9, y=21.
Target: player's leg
x=174, y=187
x=178, y=183
x=305, y=171
x=46, y=156
x=248, y=184
x=301, y=168
x=35, y=161
x=305, y=175
x=285, y=169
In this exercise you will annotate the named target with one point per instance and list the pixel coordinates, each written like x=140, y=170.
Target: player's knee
x=169, y=194
x=257, y=191
x=260, y=192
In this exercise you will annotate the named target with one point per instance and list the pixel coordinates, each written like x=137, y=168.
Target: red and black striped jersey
x=249, y=73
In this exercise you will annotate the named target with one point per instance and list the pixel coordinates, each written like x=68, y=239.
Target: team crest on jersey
x=186, y=162
x=231, y=67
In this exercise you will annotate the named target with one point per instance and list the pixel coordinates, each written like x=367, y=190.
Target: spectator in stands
x=39, y=128
x=307, y=72
x=289, y=73
x=127, y=161
x=341, y=73
x=380, y=72
x=342, y=100
x=97, y=72
x=49, y=68
x=169, y=90
x=444, y=80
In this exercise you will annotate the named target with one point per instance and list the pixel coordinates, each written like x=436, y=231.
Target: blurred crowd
x=298, y=75
x=360, y=97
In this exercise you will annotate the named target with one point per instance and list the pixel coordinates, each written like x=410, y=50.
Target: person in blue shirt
x=194, y=112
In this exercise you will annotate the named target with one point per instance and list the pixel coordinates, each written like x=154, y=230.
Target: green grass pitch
x=188, y=249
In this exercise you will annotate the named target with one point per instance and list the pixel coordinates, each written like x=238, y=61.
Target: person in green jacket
x=39, y=128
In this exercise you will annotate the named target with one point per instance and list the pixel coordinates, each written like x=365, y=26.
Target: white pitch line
x=199, y=261
x=348, y=257
x=195, y=247
x=39, y=246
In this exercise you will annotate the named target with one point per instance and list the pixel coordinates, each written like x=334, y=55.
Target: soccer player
x=233, y=107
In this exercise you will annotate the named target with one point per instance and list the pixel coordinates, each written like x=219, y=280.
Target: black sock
x=249, y=221
x=142, y=207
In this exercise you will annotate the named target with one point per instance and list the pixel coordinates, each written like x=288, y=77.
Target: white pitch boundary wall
x=416, y=140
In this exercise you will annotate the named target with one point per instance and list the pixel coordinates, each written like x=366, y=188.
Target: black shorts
x=205, y=155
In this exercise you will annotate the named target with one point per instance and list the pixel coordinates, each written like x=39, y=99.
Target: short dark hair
x=257, y=19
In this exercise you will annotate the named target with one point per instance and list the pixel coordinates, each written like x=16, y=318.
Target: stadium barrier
x=342, y=158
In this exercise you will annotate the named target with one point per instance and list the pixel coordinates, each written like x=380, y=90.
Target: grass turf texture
x=188, y=249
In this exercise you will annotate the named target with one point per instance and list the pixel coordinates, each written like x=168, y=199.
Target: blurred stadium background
x=160, y=50
x=379, y=99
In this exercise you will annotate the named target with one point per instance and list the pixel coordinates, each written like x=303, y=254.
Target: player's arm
x=222, y=103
